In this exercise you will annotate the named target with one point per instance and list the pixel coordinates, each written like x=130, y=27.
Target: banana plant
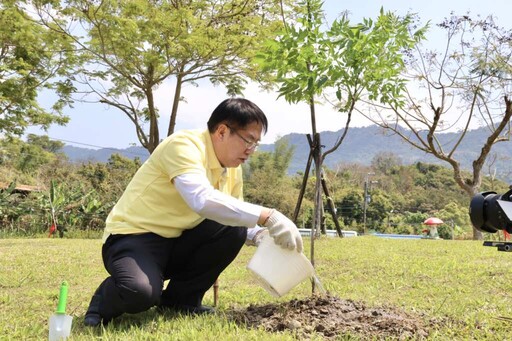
x=54, y=201
x=59, y=201
x=93, y=211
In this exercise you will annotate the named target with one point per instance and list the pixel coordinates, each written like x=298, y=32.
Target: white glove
x=284, y=231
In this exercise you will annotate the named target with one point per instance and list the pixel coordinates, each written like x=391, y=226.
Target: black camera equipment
x=492, y=212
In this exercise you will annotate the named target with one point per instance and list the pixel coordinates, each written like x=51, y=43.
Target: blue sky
x=98, y=125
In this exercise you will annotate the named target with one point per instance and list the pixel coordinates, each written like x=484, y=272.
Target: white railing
x=330, y=233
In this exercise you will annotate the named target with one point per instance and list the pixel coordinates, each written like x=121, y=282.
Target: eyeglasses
x=250, y=145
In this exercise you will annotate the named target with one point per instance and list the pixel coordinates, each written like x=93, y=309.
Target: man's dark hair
x=237, y=113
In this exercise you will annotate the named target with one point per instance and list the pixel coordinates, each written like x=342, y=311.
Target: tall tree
x=309, y=61
x=466, y=84
x=134, y=46
x=34, y=61
x=45, y=143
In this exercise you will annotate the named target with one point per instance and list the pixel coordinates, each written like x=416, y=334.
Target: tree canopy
x=34, y=61
x=133, y=47
x=308, y=60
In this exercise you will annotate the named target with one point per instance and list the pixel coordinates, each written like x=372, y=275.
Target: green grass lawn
x=462, y=283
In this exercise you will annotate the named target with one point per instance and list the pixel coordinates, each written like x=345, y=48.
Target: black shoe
x=92, y=316
x=92, y=320
x=194, y=310
x=187, y=309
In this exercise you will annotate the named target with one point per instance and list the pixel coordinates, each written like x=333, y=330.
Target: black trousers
x=139, y=264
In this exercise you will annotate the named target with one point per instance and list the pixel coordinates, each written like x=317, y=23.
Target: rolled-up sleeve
x=212, y=204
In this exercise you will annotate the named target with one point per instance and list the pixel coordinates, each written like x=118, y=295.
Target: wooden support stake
x=215, y=292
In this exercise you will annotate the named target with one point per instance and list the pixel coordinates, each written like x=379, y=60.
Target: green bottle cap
x=63, y=297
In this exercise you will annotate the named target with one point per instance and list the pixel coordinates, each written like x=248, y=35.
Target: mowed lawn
x=463, y=284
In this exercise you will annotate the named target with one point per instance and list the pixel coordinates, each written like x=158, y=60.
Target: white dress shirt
x=212, y=204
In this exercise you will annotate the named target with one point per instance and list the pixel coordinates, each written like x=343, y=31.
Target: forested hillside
x=81, y=194
x=360, y=146
x=389, y=68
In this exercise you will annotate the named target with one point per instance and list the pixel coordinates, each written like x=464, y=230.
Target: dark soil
x=331, y=317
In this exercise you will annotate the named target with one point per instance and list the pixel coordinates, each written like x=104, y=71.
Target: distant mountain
x=361, y=145
x=77, y=154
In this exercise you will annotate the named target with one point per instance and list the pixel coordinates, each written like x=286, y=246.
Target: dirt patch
x=331, y=317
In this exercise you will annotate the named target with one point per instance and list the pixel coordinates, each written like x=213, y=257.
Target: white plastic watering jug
x=279, y=270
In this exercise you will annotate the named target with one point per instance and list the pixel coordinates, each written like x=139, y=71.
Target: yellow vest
x=151, y=203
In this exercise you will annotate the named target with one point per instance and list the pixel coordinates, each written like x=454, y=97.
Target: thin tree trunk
x=154, y=134
x=175, y=103
x=317, y=217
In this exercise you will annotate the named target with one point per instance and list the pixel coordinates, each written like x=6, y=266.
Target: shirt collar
x=211, y=158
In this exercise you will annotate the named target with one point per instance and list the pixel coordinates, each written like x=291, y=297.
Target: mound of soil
x=330, y=317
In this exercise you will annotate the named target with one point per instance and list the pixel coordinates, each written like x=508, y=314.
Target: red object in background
x=433, y=221
x=506, y=235
x=53, y=228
